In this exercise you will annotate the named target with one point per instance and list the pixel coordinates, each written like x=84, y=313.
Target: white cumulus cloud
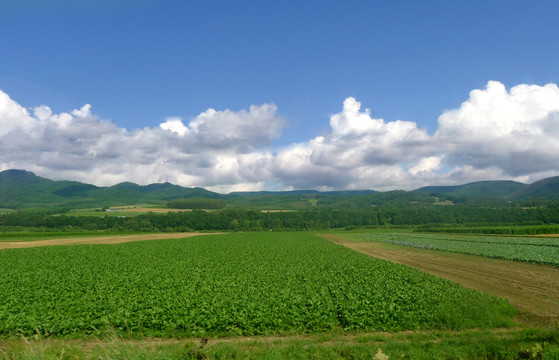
x=174, y=125
x=359, y=152
x=515, y=131
x=495, y=134
x=217, y=149
x=12, y=115
x=427, y=164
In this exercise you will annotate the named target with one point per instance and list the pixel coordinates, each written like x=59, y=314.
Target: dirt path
x=116, y=239
x=533, y=289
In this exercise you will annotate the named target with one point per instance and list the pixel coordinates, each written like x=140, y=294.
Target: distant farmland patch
x=155, y=210
x=196, y=203
x=124, y=211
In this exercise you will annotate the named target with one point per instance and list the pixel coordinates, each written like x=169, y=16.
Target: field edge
x=471, y=344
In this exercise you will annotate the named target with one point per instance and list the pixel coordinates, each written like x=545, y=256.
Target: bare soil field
x=116, y=239
x=532, y=289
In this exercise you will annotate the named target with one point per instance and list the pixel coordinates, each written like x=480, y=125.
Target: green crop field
x=538, y=250
x=234, y=284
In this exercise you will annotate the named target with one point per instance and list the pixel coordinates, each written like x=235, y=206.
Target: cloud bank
x=495, y=134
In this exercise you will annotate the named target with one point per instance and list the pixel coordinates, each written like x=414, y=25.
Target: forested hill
x=544, y=189
x=23, y=189
x=496, y=189
x=505, y=189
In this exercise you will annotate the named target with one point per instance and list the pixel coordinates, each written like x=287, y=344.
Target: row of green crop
x=535, y=250
x=516, y=240
x=251, y=283
x=494, y=230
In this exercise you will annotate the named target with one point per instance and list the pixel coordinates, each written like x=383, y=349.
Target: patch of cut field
x=531, y=288
x=153, y=210
x=115, y=239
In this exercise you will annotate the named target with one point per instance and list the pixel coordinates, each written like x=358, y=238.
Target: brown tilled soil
x=97, y=240
x=532, y=289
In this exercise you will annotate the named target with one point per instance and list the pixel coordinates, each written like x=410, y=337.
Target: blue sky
x=139, y=63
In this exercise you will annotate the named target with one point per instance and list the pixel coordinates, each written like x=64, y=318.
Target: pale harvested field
x=116, y=239
x=531, y=288
x=146, y=210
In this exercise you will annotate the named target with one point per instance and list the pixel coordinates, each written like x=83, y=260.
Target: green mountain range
x=546, y=189
x=496, y=189
x=23, y=189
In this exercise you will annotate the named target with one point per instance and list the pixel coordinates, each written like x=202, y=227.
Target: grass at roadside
x=473, y=344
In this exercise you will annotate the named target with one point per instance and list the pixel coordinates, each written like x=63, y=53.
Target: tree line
x=316, y=219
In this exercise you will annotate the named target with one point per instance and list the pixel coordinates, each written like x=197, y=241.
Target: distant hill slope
x=495, y=189
x=272, y=193
x=21, y=177
x=131, y=193
x=23, y=189
x=20, y=188
x=297, y=199
x=544, y=189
